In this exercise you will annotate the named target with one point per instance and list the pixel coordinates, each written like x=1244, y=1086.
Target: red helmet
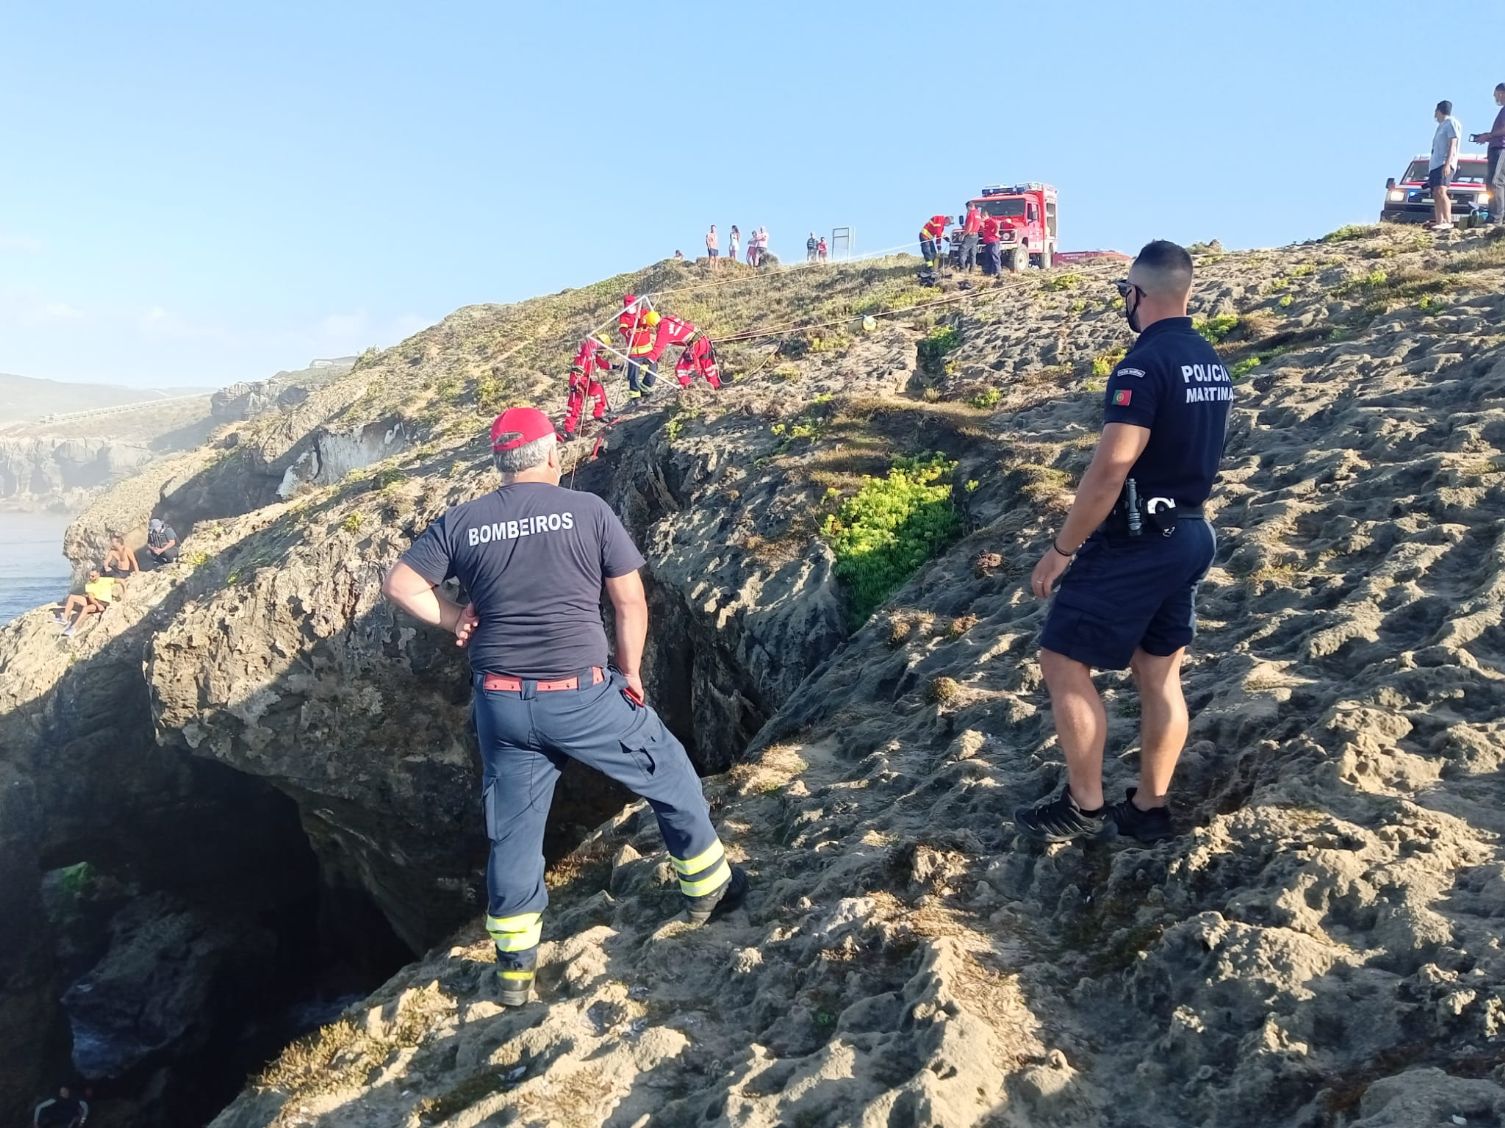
x=628, y=299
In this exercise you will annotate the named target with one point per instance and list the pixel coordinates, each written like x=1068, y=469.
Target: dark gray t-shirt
x=532, y=558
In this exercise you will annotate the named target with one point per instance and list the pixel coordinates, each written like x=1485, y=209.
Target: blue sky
x=196, y=194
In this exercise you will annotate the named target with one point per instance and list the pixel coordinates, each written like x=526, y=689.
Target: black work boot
x=730, y=895
x=1153, y=825
x=1059, y=819
x=514, y=976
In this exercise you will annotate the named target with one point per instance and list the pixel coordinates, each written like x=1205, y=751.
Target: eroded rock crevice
x=731, y=635
x=199, y=945
x=167, y=924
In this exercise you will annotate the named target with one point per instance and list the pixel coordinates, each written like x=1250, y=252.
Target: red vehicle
x=1409, y=200
x=1027, y=214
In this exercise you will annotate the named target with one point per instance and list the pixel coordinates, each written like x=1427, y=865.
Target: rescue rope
x=757, y=333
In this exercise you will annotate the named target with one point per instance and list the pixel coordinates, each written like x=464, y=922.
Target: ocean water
x=32, y=568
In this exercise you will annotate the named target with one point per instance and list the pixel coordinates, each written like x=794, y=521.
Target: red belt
x=515, y=685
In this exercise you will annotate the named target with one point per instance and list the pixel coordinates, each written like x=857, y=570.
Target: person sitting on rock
x=161, y=542
x=120, y=562
x=62, y=1111
x=535, y=559
x=98, y=594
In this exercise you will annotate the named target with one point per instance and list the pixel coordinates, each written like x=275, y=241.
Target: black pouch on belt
x=1160, y=514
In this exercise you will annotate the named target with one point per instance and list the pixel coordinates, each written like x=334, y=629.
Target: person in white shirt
x=1444, y=164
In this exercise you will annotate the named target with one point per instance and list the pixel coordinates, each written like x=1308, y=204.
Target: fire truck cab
x=1026, y=215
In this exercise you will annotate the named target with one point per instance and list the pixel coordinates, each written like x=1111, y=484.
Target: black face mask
x=1131, y=313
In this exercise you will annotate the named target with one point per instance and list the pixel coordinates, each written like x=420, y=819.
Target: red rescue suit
x=589, y=361
x=699, y=356
x=671, y=331
x=628, y=318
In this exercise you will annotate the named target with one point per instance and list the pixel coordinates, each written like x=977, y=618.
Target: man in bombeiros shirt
x=534, y=558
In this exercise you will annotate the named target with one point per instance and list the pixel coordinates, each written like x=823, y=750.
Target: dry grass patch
x=590, y=863
x=961, y=625
x=778, y=764
x=1491, y=256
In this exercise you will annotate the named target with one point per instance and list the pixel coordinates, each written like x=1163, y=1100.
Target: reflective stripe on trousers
x=527, y=738
x=705, y=873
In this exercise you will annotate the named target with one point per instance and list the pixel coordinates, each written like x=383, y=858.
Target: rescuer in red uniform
x=589, y=361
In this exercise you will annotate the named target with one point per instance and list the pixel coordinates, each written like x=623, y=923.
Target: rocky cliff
x=1317, y=947
x=62, y=472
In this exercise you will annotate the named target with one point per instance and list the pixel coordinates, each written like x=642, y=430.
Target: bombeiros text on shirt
x=523, y=527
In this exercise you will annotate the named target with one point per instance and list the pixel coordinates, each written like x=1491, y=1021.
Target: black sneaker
x=1153, y=825
x=514, y=978
x=1059, y=819
x=730, y=896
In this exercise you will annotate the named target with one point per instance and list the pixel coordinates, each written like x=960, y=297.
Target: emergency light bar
x=1012, y=189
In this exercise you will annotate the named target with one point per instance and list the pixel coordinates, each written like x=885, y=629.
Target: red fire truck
x=1027, y=215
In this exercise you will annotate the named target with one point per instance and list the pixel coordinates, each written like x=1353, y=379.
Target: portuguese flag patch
x=1122, y=397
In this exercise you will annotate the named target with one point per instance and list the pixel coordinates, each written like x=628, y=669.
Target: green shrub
x=1214, y=329
x=74, y=881
x=889, y=528
x=936, y=344
x=805, y=427
x=1244, y=367
x=829, y=343
x=353, y=522
x=1067, y=281
x=489, y=393
x=1105, y=364
x=909, y=298
x=986, y=398
x=1350, y=232
x=1305, y=269
x=1285, y=302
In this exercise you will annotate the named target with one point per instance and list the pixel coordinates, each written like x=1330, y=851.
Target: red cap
x=519, y=426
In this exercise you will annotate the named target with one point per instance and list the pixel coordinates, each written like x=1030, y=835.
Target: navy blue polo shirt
x=1173, y=382
x=532, y=558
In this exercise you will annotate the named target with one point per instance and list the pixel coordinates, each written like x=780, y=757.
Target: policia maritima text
x=1130, y=555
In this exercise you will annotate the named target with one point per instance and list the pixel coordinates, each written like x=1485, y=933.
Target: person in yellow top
x=98, y=594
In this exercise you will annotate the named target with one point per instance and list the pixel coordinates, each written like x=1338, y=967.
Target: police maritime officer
x=1130, y=556
x=534, y=559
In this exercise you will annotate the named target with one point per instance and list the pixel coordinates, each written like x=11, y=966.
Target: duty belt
x=1133, y=515
x=509, y=684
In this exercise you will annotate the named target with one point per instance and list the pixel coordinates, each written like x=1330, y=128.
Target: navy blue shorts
x=1434, y=178
x=1126, y=593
